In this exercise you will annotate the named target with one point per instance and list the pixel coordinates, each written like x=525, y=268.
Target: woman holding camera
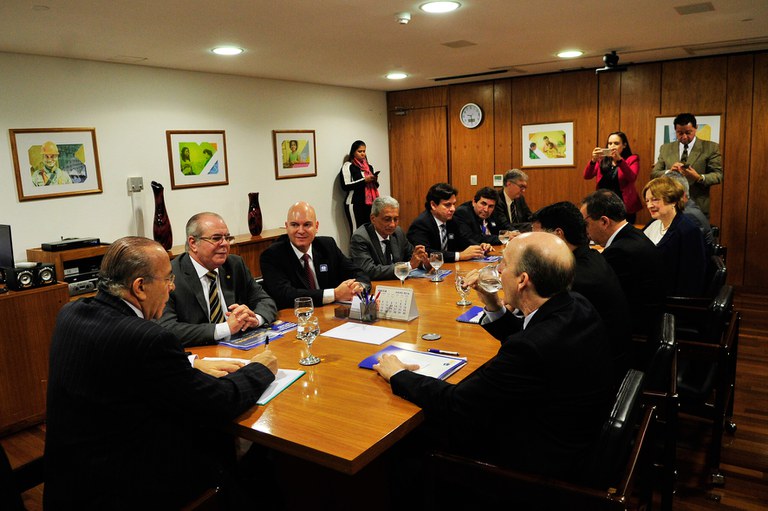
x=616, y=169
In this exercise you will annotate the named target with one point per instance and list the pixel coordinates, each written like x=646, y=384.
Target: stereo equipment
x=69, y=243
x=83, y=286
x=29, y=276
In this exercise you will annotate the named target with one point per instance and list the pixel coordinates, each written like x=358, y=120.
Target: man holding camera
x=698, y=160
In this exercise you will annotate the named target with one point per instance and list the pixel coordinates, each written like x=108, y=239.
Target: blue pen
x=442, y=352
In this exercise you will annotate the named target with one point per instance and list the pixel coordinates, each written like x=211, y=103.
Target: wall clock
x=471, y=115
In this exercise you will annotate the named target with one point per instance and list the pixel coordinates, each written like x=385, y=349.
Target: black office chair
x=618, y=461
x=14, y=482
x=661, y=392
x=708, y=339
x=716, y=277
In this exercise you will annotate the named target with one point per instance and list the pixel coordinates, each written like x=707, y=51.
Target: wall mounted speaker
x=28, y=277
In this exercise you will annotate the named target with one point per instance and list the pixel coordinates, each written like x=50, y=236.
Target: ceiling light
x=227, y=50
x=397, y=76
x=438, y=7
x=570, y=54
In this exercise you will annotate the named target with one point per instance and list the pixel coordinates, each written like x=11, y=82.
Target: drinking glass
x=303, y=307
x=308, y=330
x=489, y=279
x=504, y=237
x=402, y=269
x=461, y=288
x=436, y=261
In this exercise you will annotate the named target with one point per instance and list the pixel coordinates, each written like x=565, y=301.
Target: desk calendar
x=397, y=303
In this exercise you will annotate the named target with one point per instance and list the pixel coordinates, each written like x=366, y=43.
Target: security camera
x=403, y=18
x=611, y=59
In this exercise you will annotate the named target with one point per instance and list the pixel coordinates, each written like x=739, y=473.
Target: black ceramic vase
x=161, y=225
x=254, y=214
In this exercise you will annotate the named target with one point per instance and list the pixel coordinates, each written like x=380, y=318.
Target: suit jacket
x=186, y=313
x=539, y=402
x=424, y=231
x=471, y=226
x=285, y=278
x=697, y=216
x=502, y=218
x=640, y=268
x=685, y=258
x=704, y=157
x=365, y=251
x=129, y=421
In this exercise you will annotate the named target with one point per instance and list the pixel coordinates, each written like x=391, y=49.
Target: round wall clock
x=471, y=115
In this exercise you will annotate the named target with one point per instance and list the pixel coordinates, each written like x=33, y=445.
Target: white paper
x=359, y=332
x=430, y=364
x=283, y=378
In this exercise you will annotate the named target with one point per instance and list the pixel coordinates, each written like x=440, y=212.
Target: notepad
x=283, y=379
x=252, y=338
x=360, y=332
x=430, y=364
x=473, y=315
x=418, y=273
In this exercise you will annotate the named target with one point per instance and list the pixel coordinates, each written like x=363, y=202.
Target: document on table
x=430, y=364
x=360, y=332
x=283, y=379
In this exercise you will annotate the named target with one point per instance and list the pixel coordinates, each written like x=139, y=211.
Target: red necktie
x=308, y=270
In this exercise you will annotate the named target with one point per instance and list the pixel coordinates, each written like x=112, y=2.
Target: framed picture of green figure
x=197, y=158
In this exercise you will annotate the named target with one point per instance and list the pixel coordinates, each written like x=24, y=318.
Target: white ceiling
x=355, y=43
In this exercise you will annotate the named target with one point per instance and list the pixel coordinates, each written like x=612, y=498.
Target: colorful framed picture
x=197, y=158
x=55, y=162
x=708, y=129
x=547, y=145
x=295, y=154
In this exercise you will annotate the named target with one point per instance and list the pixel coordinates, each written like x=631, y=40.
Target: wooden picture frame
x=55, y=162
x=197, y=158
x=295, y=153
x=547, y=145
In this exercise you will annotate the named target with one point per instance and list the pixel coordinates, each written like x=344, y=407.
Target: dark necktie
x=217, y=315
x=513, y=213
x=443, y=238
x=684, y=156
x=308, y=271
x=387, y=250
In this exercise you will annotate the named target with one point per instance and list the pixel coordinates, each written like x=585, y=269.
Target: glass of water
x=402, y=269
x=436, y=261
x=462, y=288
x=308, y=330
x=489, y=279
x=303, y=307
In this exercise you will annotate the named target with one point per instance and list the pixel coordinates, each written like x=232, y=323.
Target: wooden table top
x=341, y=416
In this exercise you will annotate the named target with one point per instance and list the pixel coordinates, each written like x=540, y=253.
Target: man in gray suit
x=378, y=245
x=216, y=295
x=698, y=160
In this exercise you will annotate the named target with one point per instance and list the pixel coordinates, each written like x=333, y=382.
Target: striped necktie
x=684, y=156
x=217, y=315
x=443, y=238
x=309, y=272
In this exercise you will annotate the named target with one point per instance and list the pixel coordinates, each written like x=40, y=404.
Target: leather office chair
x=14, y=482
x=618, y=461
x=708, y=340
x=717, y=274
x=661, y=392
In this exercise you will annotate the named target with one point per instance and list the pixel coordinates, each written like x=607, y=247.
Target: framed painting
x=295, y=153
x=547, y=145
x=197, y=158
x=55, y=162
x=708, y=129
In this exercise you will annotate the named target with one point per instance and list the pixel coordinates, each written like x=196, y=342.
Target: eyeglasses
x=171, y=279
x=217, y=239
x=522, y=187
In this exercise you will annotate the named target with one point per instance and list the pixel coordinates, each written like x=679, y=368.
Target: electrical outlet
x=473, y=180
x=135, y=184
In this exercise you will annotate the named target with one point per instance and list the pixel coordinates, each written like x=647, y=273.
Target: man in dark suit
x=378, y=245
x=130, y=423
x=696, y=159
x=635, y=259
x=238, y=302
x=304, y=264
x=438, y=232
x=541, y=400
x=477, y=224
x=593, y=277
x=511, y=212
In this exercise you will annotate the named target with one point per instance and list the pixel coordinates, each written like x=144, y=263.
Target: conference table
x=338, y=415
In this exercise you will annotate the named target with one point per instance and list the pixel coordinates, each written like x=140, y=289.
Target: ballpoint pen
x=443, y=352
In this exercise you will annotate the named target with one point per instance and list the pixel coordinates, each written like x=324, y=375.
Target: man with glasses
x=512, y=213
x=698, y=160
x=216, y=296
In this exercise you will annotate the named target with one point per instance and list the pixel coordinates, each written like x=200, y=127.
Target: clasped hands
x=240, y=318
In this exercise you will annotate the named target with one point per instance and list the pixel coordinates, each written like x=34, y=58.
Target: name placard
x=397, y=303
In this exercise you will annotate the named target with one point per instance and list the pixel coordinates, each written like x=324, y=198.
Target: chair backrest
x=10, y=496
x=659, y=376
x=613, y=447
x=717, y=275
x=718, y=315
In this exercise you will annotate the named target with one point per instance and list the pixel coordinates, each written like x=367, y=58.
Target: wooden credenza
x=27, y=319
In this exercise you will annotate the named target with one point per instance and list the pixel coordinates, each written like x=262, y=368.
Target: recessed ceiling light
x=438, y=7
x=397, y=76
x=570, y=54
x=227, y=50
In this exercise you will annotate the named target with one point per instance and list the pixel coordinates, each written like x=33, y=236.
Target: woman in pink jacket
x=616, y=169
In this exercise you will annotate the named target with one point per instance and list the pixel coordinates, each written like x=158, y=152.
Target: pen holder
x=369, y=312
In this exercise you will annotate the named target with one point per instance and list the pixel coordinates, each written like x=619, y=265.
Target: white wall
x=131, y=107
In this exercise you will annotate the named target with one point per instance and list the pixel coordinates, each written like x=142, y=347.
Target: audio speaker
x=45, y=274
x=20, y=278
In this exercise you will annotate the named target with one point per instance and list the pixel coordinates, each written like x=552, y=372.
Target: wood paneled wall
x=734, y=86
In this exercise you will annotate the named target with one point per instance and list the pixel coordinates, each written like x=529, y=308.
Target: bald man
x=304, y=264
x=541, y=400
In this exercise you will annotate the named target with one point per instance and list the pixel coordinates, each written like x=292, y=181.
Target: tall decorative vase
x=254, y=214
x=161, y=225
